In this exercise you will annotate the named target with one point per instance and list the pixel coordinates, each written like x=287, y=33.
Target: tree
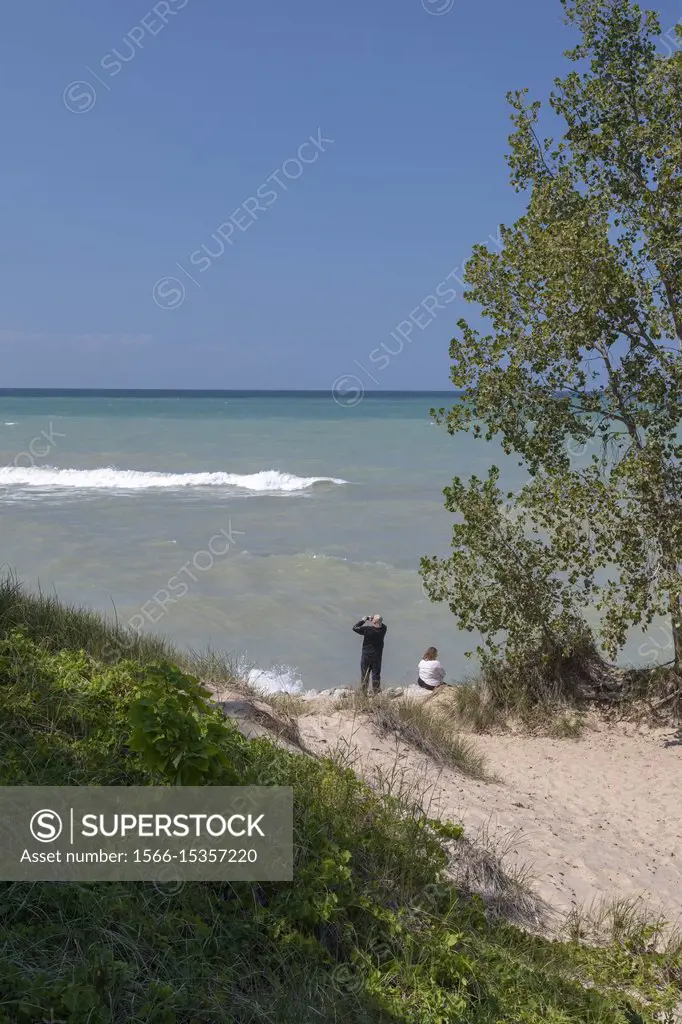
x=584, y=307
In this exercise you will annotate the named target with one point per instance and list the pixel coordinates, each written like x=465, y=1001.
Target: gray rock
x=236, y=708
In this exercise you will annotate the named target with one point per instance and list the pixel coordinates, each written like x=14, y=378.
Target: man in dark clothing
x=372, y=630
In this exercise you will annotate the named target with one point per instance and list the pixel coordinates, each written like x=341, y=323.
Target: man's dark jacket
x=372, y=637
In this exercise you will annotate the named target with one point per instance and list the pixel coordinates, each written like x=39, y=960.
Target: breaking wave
x=111, y=479
x=278, y=679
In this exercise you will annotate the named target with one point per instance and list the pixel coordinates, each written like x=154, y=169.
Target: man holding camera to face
x=372, y=630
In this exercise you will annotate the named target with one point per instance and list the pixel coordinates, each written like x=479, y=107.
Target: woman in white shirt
x=431, y=673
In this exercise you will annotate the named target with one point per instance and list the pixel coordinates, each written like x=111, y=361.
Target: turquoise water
x=261, y=524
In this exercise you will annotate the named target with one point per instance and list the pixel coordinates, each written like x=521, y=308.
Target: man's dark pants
x=370, y=664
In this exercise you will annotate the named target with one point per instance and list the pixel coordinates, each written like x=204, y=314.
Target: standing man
x=372, y=630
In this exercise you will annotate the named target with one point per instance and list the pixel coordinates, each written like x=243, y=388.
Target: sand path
x=599, y=817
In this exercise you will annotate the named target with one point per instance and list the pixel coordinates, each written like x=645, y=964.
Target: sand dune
x=595, y=818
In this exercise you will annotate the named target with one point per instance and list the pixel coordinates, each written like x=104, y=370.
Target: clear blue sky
x=99, y=204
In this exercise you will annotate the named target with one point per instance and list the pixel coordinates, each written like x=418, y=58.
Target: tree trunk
x=671, y=564
x=676, y=627
x=676, y=615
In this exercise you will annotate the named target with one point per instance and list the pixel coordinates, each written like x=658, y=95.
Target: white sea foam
x=279, y=679
x=343, y=558
x=10, y=423
x=111, y=479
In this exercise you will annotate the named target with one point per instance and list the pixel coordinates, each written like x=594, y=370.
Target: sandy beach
x=590, y=820
x=598, y=818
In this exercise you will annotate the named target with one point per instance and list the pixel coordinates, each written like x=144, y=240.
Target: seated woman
x=431, y=672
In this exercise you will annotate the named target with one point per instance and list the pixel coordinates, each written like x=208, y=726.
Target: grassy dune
x=371, y=930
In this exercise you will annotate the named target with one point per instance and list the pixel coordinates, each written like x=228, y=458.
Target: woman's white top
x=431, y=672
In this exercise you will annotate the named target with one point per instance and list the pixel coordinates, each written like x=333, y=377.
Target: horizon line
x=217, y=391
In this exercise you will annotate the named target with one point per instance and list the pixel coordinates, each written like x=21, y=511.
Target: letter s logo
x=168, y=293
x=79, y=97
x=46, y=826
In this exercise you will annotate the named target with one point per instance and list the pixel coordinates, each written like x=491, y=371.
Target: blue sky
x=116, y=170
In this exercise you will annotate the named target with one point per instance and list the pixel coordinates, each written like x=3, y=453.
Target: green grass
x=476, y=706
x=59, y=626
x=418, y=725
x=621, y=921
x=371, y=932
x=551, y=692
x=473, y=707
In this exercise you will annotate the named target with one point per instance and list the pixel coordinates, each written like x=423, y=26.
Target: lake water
x=260, y=524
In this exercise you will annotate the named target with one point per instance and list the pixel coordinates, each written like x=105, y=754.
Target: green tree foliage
x=584, y=307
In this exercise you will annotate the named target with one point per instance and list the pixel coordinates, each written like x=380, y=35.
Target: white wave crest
x=279, y=679
x=111, y=479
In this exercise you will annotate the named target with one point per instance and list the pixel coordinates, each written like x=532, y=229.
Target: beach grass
x=61, y=626
x=472, y=705
x=424, y=729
